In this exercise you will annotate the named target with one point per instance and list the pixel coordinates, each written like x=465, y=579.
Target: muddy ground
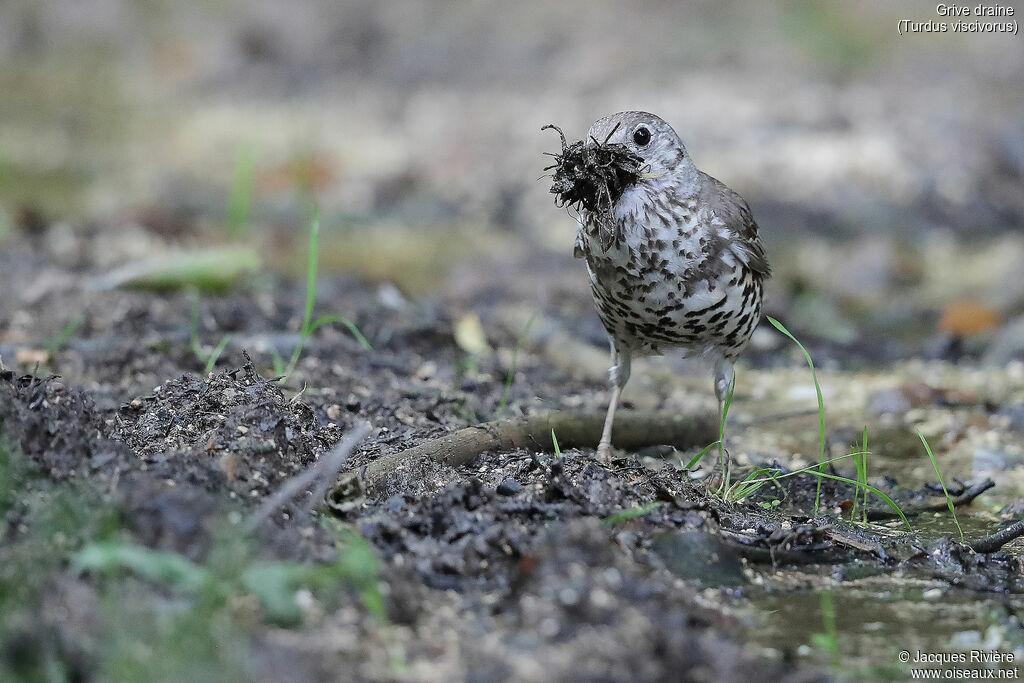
x=524, y=564
x=146, y=424
x=498, y=569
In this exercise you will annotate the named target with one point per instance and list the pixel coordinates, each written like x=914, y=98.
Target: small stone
x=509, y=487
x=1007, y=344
x=136, y=403
x=568, y=596
x=1013, y=415
x=333, y=412
x=888, y=402
x=426, y=371
x=549, y=627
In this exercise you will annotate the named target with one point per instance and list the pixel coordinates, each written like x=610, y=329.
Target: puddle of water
x=931, y=526
x=879, y=613
x=878, y=618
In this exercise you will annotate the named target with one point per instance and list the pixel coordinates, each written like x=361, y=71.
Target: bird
x=675, y=260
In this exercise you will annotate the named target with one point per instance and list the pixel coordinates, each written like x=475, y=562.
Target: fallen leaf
x=965, y=319
x=29, y=357
x=469, y=335
x=213, y=269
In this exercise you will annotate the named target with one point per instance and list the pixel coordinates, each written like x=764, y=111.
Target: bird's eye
x=642, y=136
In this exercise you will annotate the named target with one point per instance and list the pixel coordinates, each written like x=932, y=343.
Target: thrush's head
x=630, y=152
x=650, y=138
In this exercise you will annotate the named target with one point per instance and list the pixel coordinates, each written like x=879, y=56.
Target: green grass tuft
x=274, y=584
x=753, y=483
x=155, y=565
x=756, y=479
x=209, y=269
x=309, y=326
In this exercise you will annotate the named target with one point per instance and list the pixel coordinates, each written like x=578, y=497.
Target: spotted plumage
x=685, y=266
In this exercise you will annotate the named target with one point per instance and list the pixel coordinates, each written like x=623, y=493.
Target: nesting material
x=593, y=175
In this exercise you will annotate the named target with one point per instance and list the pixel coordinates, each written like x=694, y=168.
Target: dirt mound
x=233, y=428
x=55, y=425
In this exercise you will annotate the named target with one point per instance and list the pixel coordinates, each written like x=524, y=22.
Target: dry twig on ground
x=573, y=430
x=935, y=505
x=321, y=473
x=994, y=542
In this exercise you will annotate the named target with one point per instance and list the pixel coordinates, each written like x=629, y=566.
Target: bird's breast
x=666, y=279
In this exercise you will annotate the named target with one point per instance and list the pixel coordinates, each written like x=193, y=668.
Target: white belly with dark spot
x=667, y=284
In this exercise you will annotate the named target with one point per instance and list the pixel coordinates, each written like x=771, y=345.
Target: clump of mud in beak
x=592, y=176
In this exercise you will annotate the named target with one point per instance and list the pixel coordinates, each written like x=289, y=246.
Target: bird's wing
x=734, y=212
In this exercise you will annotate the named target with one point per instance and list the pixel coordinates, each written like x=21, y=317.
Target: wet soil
x=891, y=208
x=524, y=564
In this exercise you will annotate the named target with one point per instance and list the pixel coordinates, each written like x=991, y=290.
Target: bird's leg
x=619, y=375
x=725, y=383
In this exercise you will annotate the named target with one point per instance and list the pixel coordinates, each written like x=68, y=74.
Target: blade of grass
x=193, y=336
x=312, y=257
x=58, y=342
x=751, y=483
x=510, y=376
x=935, y=466
x=821, y=406
x=632, y=513
x=860, y=461
x=277, y=361
x=347, y=322
x=881, y=494
x=240, y=200
x=829, y=640
x=863, y=474
x=209, y=269
x=211, y=360
x=697, y=458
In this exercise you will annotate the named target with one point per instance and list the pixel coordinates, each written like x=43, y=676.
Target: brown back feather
x=733, y=210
